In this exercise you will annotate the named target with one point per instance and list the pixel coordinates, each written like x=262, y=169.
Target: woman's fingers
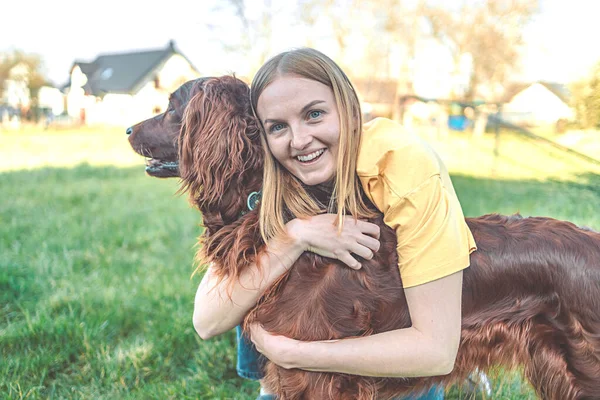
x=358, y=238
x=369, y=229
x=347, y=259
x=369, y=242
x=362, y=251
x=368, y=236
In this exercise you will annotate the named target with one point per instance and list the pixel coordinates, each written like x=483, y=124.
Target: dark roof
x=123, y=72
x=558, y=89
x=561, y=91
x=86, y=68
x=512, y=89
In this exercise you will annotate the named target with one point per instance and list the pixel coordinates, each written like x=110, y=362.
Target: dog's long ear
x=219, y=144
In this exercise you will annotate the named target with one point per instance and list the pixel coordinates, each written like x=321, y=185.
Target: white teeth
x=310, y=156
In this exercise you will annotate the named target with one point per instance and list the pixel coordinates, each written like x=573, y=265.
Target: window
x=106, y=74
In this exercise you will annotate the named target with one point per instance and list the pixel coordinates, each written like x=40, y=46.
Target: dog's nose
x=129, y=131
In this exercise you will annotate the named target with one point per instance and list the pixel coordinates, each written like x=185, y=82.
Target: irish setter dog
x=531, y=297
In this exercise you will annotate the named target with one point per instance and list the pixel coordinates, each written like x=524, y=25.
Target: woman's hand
x=427, y=348
x=319, y=235
x=279, y=349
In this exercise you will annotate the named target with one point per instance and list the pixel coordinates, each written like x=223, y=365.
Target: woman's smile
x=311, y=158
x=302, y=126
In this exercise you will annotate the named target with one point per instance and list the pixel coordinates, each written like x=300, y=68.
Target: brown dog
x=531, y=297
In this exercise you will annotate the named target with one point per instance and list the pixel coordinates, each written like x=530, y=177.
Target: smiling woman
x=316, y=172
x=302, y=133
x=310, y=106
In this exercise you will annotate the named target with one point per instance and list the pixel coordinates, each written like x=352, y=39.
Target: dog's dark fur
x=531, y=297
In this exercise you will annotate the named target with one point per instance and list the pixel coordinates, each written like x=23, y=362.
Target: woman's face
x=302, y=127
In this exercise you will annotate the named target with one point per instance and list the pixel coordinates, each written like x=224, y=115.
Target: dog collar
x=252, y=201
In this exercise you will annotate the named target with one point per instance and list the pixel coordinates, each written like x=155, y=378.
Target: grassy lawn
x=95, y=263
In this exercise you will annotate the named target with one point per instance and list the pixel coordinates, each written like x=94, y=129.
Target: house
x=15, y=96
x=51, y=100
x=124, y=88
x=537, y=103
x=16, y=88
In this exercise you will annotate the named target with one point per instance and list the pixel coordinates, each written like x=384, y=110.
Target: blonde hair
x=280, y=188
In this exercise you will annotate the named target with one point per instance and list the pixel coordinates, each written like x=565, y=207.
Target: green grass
x=518, y=158
x=95, y=289
x=29, y=148
x=95, y=263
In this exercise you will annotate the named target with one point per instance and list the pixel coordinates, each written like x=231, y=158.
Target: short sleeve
x=434, y=240
x=408, y=182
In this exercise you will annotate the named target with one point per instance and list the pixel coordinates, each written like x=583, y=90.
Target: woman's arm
x=427, y=348
x=215, y=312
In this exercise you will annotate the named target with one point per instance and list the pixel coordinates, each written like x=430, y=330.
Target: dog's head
x=220, y=155
x=156, y=138
x=210, y=139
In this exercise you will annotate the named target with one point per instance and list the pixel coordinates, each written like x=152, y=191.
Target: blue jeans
x=250, y=365
x=250, y=362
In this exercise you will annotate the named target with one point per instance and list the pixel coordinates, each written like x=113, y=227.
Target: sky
x=561, y=39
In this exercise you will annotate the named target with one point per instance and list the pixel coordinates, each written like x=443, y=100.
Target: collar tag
x=253, y=200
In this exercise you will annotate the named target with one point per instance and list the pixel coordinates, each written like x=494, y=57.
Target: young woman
x=314, y=137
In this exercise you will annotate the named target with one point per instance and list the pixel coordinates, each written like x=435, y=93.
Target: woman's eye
x=276, y=127
x=315, y=114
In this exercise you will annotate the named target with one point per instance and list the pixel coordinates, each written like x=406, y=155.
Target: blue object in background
x=458, y=122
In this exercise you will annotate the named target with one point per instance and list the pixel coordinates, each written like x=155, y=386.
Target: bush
x=586, y=99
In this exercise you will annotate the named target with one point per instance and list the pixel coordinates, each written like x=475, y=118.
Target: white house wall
x=113, y=109
x=16, y=93
x=149, y=99
x=176, y=71
x=51, y=98
x=16, y=87
x=76, y=98
x=536, y=105
x=125, y=109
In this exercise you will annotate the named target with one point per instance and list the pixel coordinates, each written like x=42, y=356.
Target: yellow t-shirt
x=409, y=184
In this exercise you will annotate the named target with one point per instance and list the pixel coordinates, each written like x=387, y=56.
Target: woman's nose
x=300, y=139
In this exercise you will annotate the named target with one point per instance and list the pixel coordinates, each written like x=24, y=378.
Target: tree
x=6, y=65
x=586, y=99
x=342, y=17
x=33, y=75
x=255, y=29
x=490, y=31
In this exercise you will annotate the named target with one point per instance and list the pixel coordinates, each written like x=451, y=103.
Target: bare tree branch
x=490, y=31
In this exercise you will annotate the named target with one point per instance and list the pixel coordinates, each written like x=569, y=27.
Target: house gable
x=174, y=72
x=126, y=73
x=557, y=89
x=539, y=102
x=123, y=88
